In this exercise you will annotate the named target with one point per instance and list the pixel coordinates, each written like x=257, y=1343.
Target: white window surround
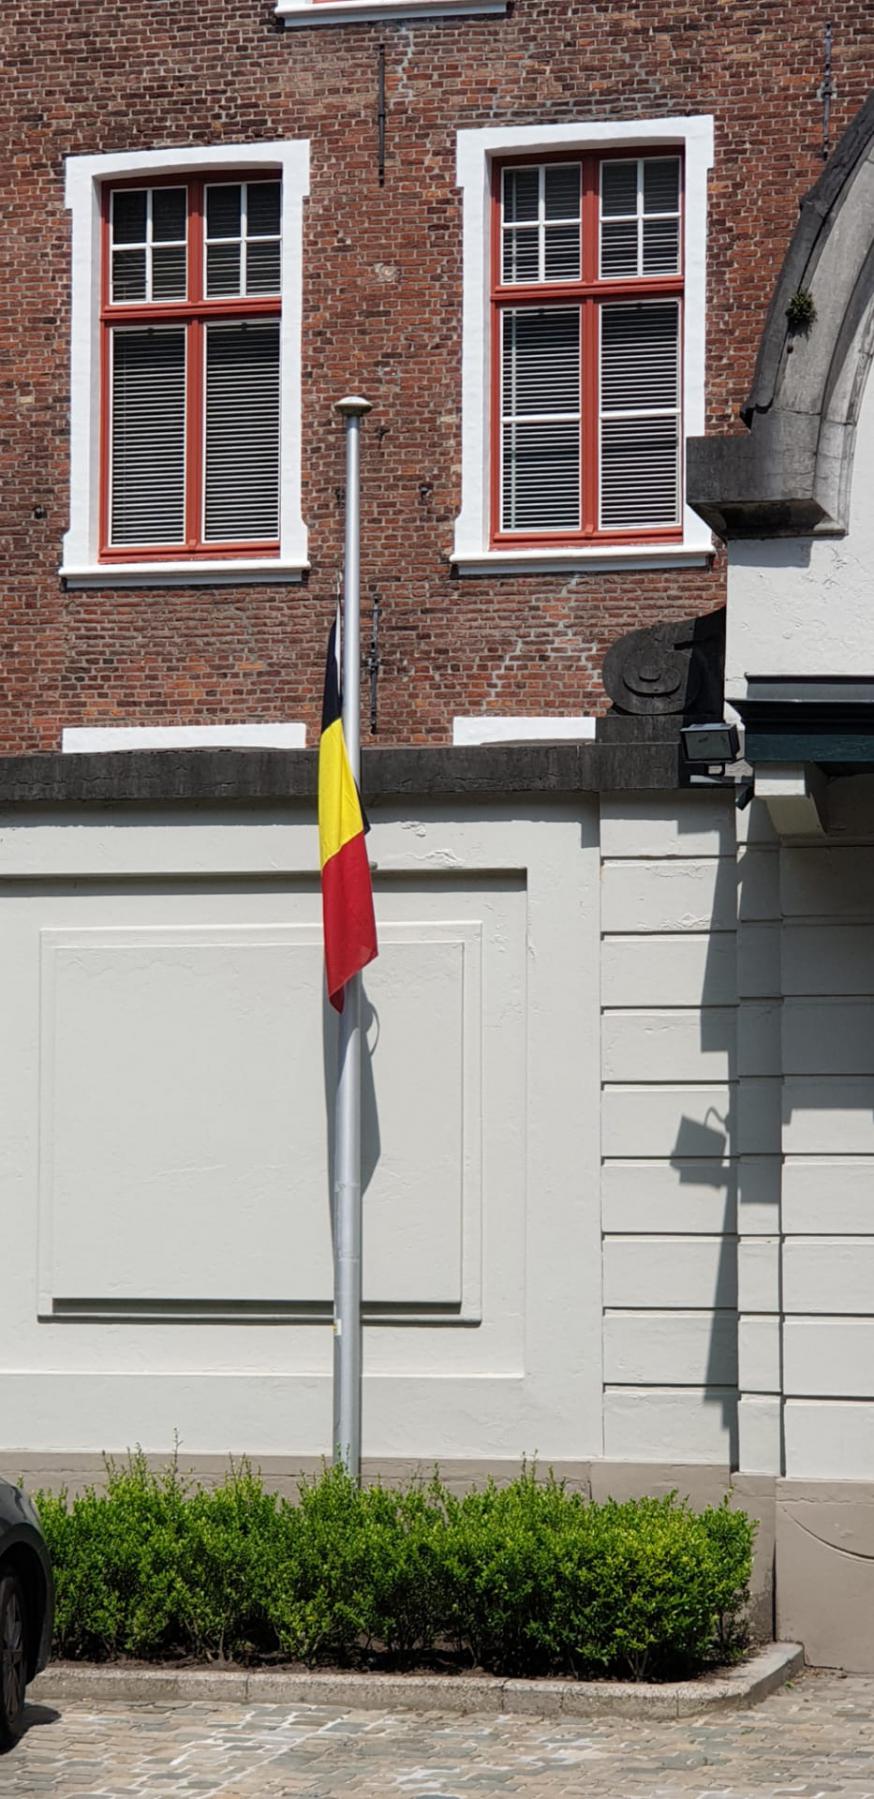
x=475, y=150
x=81, y=739
x=490, y=727
x=366, y=12
x=85, y=176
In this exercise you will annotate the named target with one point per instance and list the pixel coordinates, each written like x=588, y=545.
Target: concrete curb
x=737, y=1688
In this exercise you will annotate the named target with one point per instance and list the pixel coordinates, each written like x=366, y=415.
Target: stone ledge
x=244, y=776
x=736, y=1688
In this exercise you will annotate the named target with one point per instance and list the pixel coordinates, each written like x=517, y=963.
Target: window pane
x=169, y=209
x=661, y=184
x=262, y=208
x=619, y=248
x=562, y=253
x=640, y=364
x=129, y=216
x=640, y=467
x=562, y=190
x=148, y=437
x=541, y=477
x=223, y=210
x=128, y=275
x=262, y=267
x=540, y=488
x=661, y=246
x=521, y=195
x=168, y=272
x=522, y=255
x=618, y=188
x=640, y=454
x=541, y=360
x=242, y=432
x=222, y=270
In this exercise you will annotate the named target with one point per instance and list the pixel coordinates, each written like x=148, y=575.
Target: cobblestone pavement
x=814, y=1740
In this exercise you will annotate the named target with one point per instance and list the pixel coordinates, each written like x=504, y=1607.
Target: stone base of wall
x=825, y=1571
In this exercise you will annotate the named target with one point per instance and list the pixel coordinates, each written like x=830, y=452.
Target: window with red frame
x=190, y=368
x=587, y=294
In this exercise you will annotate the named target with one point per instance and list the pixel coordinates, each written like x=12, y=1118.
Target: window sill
x=367, y=12
x=589, y=558
x=83, y=740
x=183, y=574
x=489, y=727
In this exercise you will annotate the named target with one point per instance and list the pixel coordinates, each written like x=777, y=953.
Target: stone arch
x=792, y=473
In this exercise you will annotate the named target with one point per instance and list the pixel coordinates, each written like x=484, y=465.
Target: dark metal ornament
x=674, y=667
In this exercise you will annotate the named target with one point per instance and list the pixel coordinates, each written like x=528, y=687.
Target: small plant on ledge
x=801, y=312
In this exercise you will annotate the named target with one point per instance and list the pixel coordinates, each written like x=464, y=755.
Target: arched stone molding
x=792, y=473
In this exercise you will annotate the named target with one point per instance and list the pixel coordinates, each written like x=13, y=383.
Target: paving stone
x=812, y=1740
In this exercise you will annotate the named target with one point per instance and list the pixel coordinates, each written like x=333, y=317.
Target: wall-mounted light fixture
x=707, y=744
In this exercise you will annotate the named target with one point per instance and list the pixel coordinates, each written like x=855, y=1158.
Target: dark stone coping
x=236, y=777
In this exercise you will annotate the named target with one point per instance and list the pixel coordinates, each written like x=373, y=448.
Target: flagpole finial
x=354, y=406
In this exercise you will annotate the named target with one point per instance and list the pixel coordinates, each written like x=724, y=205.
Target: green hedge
x=523, y=1579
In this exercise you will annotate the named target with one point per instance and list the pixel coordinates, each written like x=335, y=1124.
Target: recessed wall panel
x=187, y=1083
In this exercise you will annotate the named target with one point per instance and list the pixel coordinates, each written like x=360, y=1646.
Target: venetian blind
x=242, y=432
x=148, y=436
x=640, y=414
x=540, y=427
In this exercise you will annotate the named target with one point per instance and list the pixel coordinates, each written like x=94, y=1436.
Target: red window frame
x=589, y=291
x=195, y=313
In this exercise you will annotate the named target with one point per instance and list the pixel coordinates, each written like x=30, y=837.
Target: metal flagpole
x=347, y=1118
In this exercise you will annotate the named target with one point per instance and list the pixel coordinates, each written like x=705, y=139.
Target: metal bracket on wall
x=373, y=665
x=380, y=115
x=826, y=92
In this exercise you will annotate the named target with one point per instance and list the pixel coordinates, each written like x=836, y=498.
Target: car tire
x=13, y=1659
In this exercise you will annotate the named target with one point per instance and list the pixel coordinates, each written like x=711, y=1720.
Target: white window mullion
x=149, y=192
x=541, y=223
x=244, y=237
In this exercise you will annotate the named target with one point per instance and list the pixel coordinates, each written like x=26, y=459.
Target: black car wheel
x=13, y=1660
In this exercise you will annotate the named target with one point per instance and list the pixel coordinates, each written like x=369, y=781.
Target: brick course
x=382, y=308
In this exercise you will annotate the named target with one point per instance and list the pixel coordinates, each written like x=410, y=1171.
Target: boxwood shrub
x=523, y=1579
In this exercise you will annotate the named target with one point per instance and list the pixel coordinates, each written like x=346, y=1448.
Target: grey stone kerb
x=791, y=473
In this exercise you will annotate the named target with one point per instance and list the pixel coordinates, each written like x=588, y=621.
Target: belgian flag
x=347, y=893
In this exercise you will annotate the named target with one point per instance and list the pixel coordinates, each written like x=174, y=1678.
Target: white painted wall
x=827, y=896
x=165, y=1058
x=802, y=605
x=738, y=1136
x=691, y=1131
x=669, y=1172
x=165, y=1062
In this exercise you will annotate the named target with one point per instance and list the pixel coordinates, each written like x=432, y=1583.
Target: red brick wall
x=382, y=288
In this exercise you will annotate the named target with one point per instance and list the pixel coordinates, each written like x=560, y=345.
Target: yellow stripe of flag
x=339, y=806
